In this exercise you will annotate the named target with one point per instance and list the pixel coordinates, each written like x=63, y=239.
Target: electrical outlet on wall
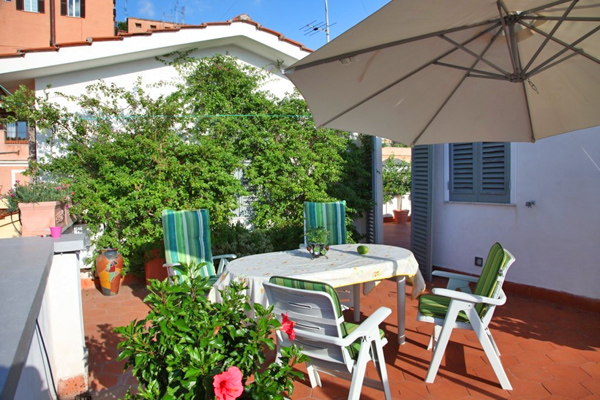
x=478, y=261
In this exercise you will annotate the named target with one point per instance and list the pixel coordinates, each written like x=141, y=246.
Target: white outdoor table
x=344, y=266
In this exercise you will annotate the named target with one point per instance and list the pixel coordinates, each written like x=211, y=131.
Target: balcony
x=548, y=349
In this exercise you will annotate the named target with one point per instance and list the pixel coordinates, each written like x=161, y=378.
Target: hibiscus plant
x=190, y=348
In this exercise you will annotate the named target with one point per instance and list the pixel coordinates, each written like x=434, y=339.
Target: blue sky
x=286, y=16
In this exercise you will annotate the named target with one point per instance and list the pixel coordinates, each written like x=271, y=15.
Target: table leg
x=401, y=282
x=356, y=301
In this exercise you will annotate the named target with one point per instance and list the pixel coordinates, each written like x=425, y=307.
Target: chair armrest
x=452, y=275
x=366, y=327
x=224, y=261
x=471, y=298
x=221, y=256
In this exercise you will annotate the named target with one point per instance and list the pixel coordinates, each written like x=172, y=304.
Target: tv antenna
x=315, y=27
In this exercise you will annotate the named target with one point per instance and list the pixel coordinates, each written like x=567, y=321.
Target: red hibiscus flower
x=288, y=326
x=228, y=385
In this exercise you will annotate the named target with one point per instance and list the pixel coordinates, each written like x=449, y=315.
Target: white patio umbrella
x=435, y=71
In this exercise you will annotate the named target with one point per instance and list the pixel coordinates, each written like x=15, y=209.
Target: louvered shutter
x=494, y=173
x=462, y=172
x=82, y=8
x=480, y=172
x=41, y=6
x=421, y=207
x=64, y=8
x=20, y=5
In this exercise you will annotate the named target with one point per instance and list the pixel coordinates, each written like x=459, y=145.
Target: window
x=480, y=172
x=31, y=5
x=72, y=8
x=16, y=132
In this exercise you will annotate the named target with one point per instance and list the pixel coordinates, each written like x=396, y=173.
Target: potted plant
x=396, y=177
x=41, y=205
x=188, y=347
x=317, y=241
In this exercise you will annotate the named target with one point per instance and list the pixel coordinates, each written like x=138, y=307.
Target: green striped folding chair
x=332, y=216
x=187, y=240
x=334, y=346
x=457, y=307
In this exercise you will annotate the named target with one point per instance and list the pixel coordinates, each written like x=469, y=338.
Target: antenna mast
x=326, y=21
x=315, y=27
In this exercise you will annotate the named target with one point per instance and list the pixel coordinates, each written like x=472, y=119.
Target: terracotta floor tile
x=593, y=385
x=566, y=388
x=571, y=372
x=543, y=359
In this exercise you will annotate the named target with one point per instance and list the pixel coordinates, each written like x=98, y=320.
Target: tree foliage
x=128, y=154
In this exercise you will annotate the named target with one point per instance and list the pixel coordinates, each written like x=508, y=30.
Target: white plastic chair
x=457, y=307
x=334, y=346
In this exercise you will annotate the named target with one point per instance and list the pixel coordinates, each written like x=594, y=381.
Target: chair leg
x=358, y=372
x=379, y=361
x=440, y=347
x=356, y=301
x=489, y=334
x=313, y=376
x=491, y=354
x=437, y=329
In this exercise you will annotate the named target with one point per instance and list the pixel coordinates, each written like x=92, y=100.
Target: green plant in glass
x=317, y=241
x=188, y=347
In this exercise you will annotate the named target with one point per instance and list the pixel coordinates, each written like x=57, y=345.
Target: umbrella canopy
x=441, y=71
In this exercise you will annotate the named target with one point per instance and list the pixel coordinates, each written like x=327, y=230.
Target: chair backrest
x=315, y=307
x=187, y=238
x=331, y=216
x=493, y=275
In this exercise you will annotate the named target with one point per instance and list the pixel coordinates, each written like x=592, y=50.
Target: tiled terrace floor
x=548, y=351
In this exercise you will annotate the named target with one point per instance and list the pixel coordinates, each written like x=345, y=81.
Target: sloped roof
x=100, y=51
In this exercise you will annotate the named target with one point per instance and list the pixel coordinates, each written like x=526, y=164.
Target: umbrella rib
x=507, y=34
x=411, y=73
x=566, y=46
x=550, y=35
x=490, y=74
x=533, y=139
x=545, y=6
x=541, y=68
x=384, y=46
x=477, y=56
x=570, y=19
x=454, y=90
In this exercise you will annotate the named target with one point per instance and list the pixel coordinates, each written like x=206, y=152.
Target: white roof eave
x=103, y=53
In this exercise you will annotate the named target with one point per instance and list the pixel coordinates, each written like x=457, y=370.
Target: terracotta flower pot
x=37, y=218
x=401, y=216
x=153, y=267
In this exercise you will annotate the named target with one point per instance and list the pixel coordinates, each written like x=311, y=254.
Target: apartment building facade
x=31, y=24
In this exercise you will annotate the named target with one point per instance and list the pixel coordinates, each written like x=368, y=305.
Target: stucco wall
x=151, y=71
x=556, y=242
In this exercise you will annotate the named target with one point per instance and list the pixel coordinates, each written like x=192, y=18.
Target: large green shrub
x=128, y=155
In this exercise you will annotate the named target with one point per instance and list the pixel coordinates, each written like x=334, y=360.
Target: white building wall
x=556, y=242
x=152, y=71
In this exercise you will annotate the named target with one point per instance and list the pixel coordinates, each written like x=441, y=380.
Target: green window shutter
x=82, y=9
x=422, y=207
x=63, y=7
x=462, y=172
x=20, y=5
x=41, y=9
x=480, y=172
x=494, y=173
